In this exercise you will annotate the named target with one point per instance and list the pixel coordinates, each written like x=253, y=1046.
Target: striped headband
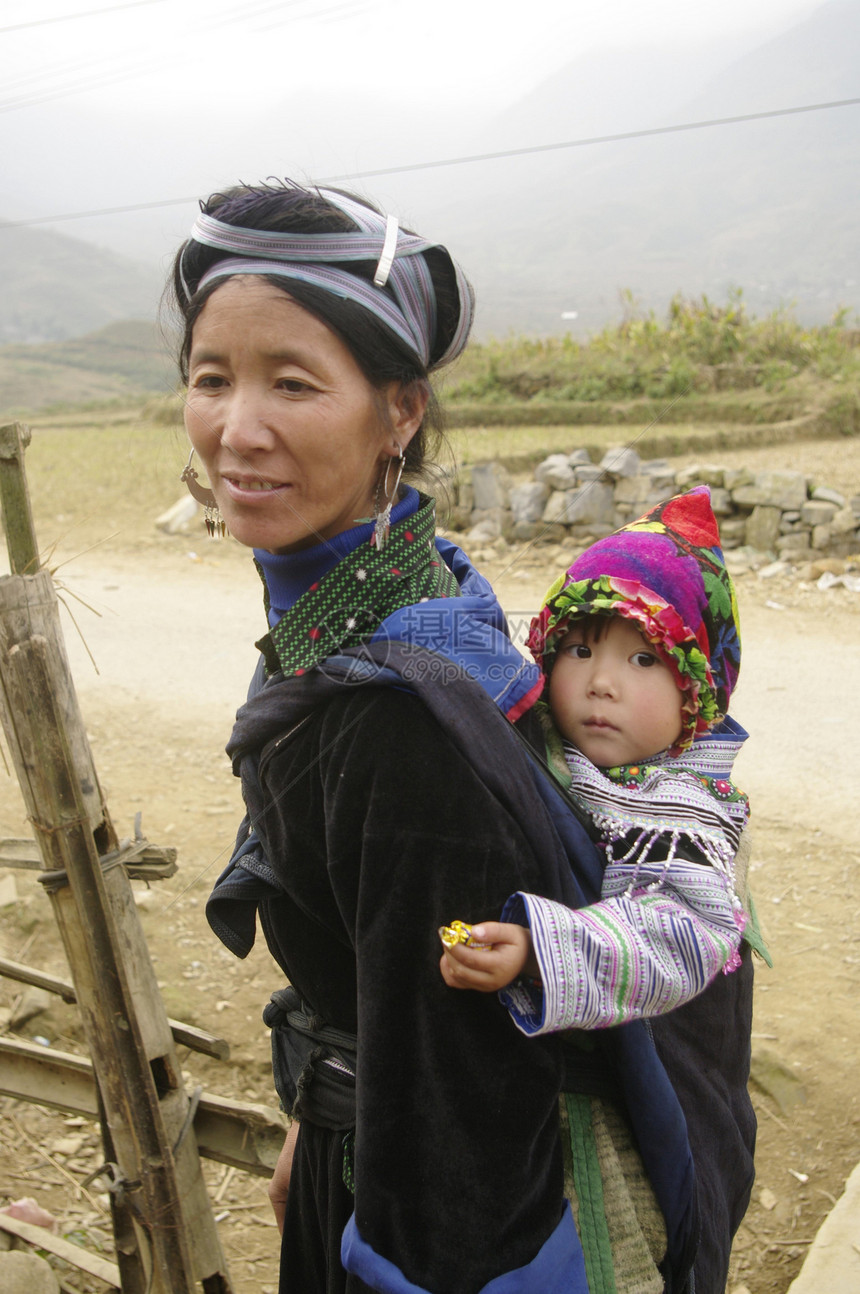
x=401, y=295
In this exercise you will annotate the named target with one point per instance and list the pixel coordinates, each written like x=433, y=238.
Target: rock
x=483, y=532
x=774, y=1077
x=555, y=462
x=620, y=461
x=554, y=534
x=657, y=467
x=465, y=494
x=849, y=582
x=762, y=528
x=732, y=532
x=687, y=477
x=663, y=483
x=491, y=484
x=817, y=512
x=790, y=545
x=748, y=496
x=585, y=475
x=775, y=568
x=767, y=1199
x=721, y=501
x=528, y=501
x=832, y=1262
x=784, y=490
x=843, y=521
x=525, y=531
x=8, y=892
x=587, y=534
x=586, y=504
x=635, y=489
x=824, y=494
x=67, y=1145
x=557, y=504
x=823, y=565
x=706, y=474
x=742, y=559
x=733, y=477
x=559, y=476
x=26, y=1273
x=579, y=457
x=34, y=1001
x=822, y=537
x=178, y=518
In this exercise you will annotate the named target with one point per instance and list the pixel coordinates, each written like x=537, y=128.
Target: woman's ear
x=407, y=404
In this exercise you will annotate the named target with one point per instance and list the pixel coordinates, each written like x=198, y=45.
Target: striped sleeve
x=638, y=952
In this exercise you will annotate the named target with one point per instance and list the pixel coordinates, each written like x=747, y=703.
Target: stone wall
x=569, y=497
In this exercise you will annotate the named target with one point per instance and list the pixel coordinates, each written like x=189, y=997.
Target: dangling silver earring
x=215, y=523
x=382, y=523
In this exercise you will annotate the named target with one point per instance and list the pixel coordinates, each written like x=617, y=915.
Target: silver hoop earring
x=382, y=523
x=216, y=526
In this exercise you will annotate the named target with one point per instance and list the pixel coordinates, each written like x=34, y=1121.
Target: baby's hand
x=489, y=969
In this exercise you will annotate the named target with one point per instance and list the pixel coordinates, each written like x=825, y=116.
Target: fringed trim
x=718, y=855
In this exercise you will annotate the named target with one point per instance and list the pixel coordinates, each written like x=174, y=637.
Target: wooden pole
x=15, y=500
x=184, y=1035
x=240, y=1133
x=148, y=1113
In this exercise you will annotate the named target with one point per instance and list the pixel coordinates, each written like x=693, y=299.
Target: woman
x=311, y=324
x=386, y=793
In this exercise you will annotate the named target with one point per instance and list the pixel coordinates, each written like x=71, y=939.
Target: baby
x=639, y=644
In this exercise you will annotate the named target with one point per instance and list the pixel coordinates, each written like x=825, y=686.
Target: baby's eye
x=578, y=651
x=645, y=659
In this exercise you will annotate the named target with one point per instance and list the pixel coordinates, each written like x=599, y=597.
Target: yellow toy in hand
x=459, y=933
x=488, y=961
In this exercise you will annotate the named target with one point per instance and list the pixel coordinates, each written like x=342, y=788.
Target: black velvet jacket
x=379, y=829
x=380, y=824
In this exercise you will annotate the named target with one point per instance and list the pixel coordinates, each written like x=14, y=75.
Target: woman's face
x=292, y=435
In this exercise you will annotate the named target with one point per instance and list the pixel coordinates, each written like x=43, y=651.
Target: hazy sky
x=193, y=53
x=107, y=104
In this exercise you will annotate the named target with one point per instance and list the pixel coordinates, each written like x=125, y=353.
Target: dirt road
x=173, y=644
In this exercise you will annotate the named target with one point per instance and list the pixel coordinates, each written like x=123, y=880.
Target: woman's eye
x=208, y=382
x=293, y=385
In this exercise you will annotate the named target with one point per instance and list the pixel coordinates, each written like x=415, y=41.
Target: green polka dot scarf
x=347, y=606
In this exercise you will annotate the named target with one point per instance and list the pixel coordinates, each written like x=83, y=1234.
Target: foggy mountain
x=55, y=286
x=769, y=206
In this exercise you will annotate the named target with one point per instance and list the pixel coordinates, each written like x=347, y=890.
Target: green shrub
x=701, y=345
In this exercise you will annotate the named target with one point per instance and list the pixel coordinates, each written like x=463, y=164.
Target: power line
x=85, y=13
x=76, y=78
x=594, y=139
x=467, y=159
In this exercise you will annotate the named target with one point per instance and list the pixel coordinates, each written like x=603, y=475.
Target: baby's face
x=613, y=697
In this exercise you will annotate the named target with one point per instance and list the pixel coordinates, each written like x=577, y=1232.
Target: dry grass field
x=175, y=619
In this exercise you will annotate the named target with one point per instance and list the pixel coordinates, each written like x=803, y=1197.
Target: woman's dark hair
x=285, y=207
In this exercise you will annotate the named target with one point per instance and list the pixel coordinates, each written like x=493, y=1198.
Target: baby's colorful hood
x=665, y=571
